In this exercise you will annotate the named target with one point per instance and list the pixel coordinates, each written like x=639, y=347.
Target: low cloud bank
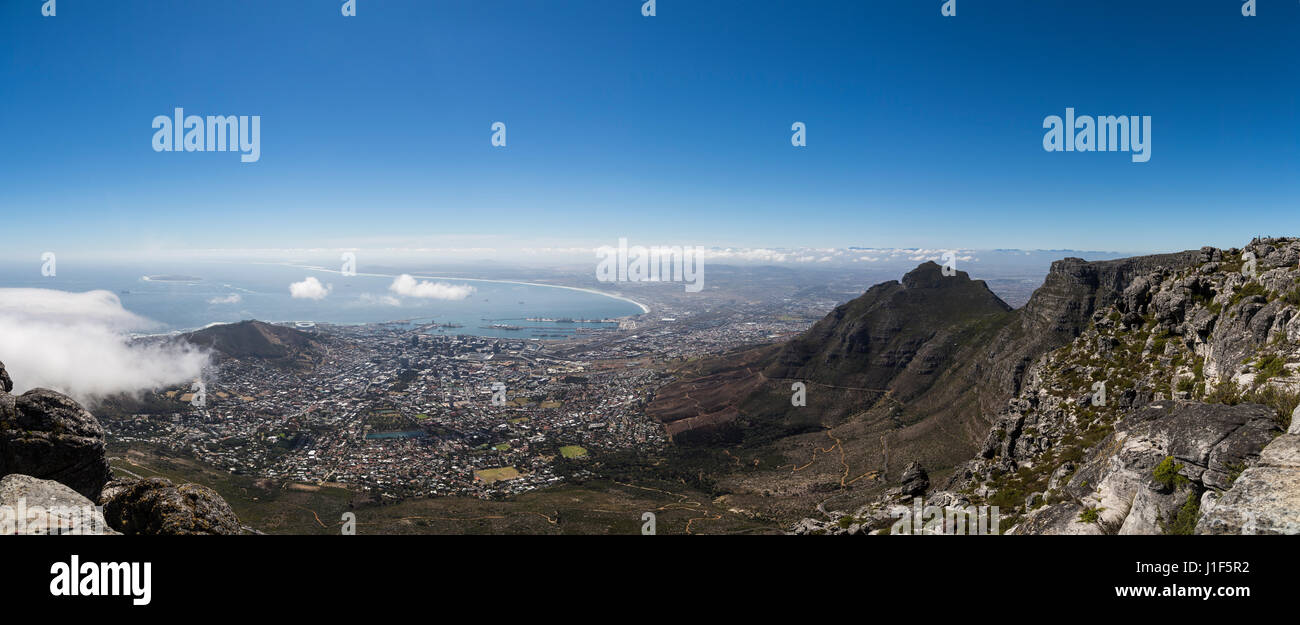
x=78, y=344
x=384, y=300
x=410, y=287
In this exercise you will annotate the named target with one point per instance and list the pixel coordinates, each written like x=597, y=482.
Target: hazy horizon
x=379, y=131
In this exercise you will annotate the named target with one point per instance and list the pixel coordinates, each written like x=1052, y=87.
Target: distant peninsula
x=171, y=278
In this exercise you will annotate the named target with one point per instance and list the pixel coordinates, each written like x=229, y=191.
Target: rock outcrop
x=47, y=435
x=1061, y=309
x=915, y=481
x=1143, y=395
x=1265, y=499
x=1150, y=419
x=1151, y=473
x=52, y=454
x=30, y=506
x=156, y=506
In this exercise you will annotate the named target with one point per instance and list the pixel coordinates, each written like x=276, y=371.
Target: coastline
x=644, y=309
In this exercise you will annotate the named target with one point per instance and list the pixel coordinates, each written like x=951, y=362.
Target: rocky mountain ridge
x=1170, y=411
x=911, y=371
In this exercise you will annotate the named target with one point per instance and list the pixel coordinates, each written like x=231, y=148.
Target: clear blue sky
x=922, y=130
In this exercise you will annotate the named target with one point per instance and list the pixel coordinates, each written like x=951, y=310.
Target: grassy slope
x=594, y=507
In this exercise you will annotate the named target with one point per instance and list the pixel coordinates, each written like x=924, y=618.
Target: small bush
x=1226, y=393
x=1282, y=401
x=1235, y=470
x=1292, y=297
x=1248, y=289
x=1158, y=344
x=1090, y=515
x=1184, y=522
x=1166, y=473
x=1269, y=366
x=1008, y=498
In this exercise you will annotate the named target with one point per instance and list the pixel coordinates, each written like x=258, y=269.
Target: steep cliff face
x=1145, y=423
x=1059, y=311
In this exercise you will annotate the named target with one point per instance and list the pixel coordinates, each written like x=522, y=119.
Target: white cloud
x=410, y=287
x=233, y=298
x=386, y=300
x=78, y=344
x=310, y=288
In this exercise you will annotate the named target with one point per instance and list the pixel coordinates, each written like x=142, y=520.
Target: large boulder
x=156, y=506
x=1060, y=518
x=47, y=439
x=48, y=435
x=1265, y=499
x=1205, y=443
x=1240, y=331
x=915, y=481
x=30, y=506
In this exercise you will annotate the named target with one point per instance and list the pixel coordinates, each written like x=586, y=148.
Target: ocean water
x=228, y=292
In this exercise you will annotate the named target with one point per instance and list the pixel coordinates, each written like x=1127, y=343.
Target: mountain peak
x=929, y=275
x=256, y=339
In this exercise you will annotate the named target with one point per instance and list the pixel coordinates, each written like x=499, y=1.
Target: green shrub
x=1090, y=515
x=1094, y=434
x=1231, y=264
x=1226, y=393
x=1184, y=522
x=1248, y=289
x=1166, y=473
x=1282, y=401
x=1008, y=498
x=1235, y=470
x=1292, y=297
x=1073, y=453
x=1159, y=343
x=1269, y=366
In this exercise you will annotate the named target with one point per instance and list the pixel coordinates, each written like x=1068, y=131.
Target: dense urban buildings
x=408, y=410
